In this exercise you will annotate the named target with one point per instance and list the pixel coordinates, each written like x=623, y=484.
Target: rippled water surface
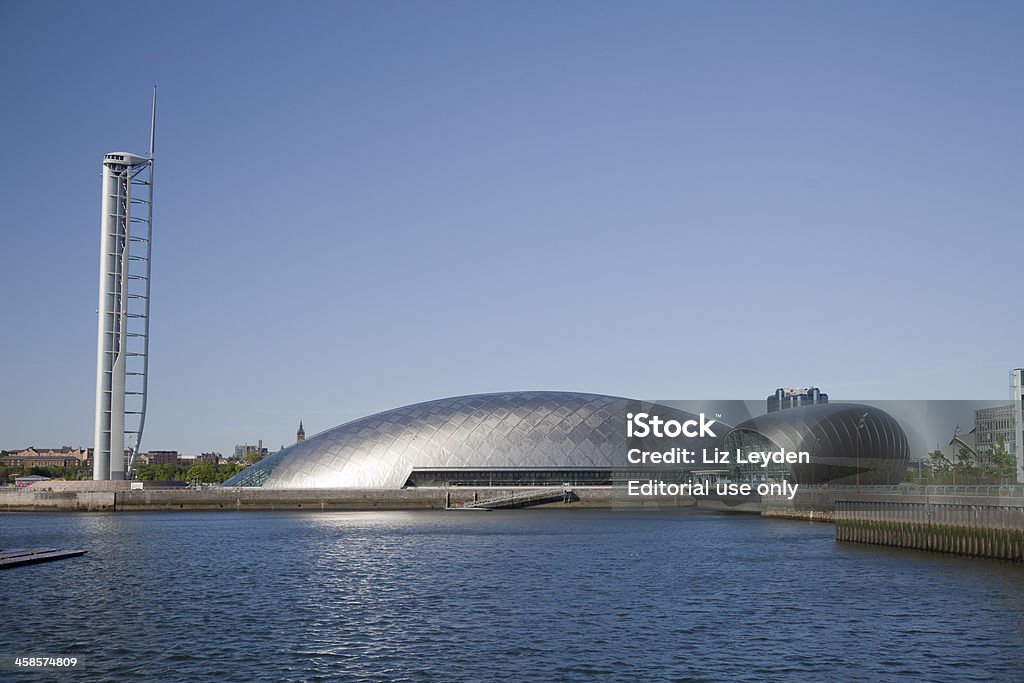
x=519, y=595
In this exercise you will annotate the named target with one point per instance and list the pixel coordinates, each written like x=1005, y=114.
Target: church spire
x=300, y=435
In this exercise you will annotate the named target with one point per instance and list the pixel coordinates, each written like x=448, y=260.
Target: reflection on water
x=523, y=595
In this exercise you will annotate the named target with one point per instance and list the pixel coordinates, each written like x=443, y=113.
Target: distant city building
x=793, y=398
x=208, y=459
x=992, y=425
x=162, y=457
x=242, y=450
x=961, y=447
x=300, y=435
x=1017, y=384
x=66, y=456
x=22, y=482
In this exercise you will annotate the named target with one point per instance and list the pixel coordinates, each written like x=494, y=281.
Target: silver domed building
x=847, y=442
x=514, y=438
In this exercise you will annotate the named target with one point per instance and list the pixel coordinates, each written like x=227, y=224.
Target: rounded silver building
x=514, y=438
x=847, y=442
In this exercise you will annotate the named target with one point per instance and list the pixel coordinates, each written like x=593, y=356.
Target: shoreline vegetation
x=201, y=473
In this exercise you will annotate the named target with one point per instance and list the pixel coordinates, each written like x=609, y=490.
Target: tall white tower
x=1017, y=382
x=122, y=340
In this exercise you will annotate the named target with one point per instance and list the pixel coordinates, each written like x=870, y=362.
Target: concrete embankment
x=750, y=504
x=117, y=496
x=976, y=526
x=33, y=501
x=813, y=504
x=981, y=521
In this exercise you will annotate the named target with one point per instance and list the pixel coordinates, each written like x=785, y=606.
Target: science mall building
x=541, y=438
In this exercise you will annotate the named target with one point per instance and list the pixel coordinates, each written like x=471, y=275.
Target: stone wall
x=980, y=527
x=116, y=496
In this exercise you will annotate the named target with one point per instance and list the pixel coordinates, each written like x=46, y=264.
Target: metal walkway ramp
x=22, y=556
x=531, y=497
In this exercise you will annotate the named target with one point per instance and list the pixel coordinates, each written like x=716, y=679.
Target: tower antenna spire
x=152, y=126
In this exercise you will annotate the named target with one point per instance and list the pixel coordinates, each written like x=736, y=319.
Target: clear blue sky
x=366, y=204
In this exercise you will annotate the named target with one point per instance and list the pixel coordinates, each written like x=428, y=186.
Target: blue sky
x=363, y=205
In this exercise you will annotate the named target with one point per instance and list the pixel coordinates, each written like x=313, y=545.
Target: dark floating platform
x=21, y=556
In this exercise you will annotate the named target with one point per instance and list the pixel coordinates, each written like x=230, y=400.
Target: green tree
x=1002, y=464
x=966, y=468
x=7, y=474
x=158, y=472
x=251, y=456
x=228, y=470
x=166, y=472
x=938, y=467
x=204, y=473
x=143, y=473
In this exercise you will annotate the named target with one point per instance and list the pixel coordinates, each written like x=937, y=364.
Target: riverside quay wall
x=981, y=521
x=118, y=496
x=976, y=525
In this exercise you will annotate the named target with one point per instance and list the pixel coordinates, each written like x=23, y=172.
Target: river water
x=520, y=595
